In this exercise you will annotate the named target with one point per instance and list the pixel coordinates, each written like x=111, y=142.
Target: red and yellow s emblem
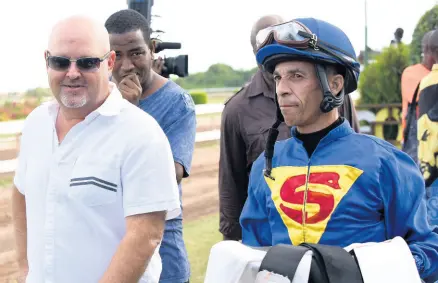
x=306, y=214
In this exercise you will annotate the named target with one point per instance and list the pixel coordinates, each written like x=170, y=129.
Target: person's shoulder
x=133, y=116
x=410, y=68
x=365, y=141
x=414, y=72
x=178, y=97
x=382, y=150
x=237, y=96
x=41, y=110
x=39, y=114
x=233, y=105
x=431, y=79
x=136, y=128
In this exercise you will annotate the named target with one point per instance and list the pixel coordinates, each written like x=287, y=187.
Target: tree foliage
x=380, y=80
x=217, y=75
x=428, y=22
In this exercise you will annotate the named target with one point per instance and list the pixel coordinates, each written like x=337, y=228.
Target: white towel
x=229, y=261
x=233, y=262
x=389, y=261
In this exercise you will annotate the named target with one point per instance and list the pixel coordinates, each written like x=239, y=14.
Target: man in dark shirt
x=246, y=120
x=427, y=127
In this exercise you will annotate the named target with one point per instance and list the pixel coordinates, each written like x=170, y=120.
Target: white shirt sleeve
x=148, y=174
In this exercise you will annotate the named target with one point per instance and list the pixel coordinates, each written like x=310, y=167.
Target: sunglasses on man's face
x=84, y=64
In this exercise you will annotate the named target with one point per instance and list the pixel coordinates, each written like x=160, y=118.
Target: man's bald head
x=431, y=40
x=429, y=44
x=432, y=44
x=82, y=86
x=425, y=42
x=262, y=23
x=82, y=30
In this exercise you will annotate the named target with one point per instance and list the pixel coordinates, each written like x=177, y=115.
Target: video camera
x=172, y=65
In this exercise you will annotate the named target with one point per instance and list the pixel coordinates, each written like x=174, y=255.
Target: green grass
x=207, y=144
x=200, y=235
x=2, y=136
x=5, y=182
x=209, y=115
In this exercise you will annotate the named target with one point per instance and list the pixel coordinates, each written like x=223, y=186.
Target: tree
x=380, y=81
x=428, y=22
x=217, y=75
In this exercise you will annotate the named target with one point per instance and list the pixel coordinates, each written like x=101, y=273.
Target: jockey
x=328, y=184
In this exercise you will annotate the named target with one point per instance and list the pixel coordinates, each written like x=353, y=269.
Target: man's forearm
x=131, y=259
x=20, y=228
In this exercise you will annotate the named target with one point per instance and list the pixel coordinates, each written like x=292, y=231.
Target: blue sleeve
x=403, y=193
x=181, y=134
x=256, y=231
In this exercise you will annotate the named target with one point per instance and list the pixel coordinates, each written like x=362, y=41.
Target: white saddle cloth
x=233, y=262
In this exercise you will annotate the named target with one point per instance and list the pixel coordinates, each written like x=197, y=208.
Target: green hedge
x=428, y=22
x=199, y=97
x=380, y=81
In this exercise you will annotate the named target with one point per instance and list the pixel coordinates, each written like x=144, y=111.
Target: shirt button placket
x=50, y=222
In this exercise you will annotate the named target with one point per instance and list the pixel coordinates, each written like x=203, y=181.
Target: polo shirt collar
x=113, y=103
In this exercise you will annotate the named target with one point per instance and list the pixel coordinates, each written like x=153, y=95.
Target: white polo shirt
x=115, y=163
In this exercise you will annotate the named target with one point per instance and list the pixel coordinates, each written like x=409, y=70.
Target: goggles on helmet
x=296, y=35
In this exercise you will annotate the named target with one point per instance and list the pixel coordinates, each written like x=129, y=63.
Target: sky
x=209, y=31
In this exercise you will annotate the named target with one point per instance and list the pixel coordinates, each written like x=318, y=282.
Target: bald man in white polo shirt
x=95, y=180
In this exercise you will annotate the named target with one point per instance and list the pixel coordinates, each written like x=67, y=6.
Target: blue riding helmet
x=332, y=47
x=312, y=40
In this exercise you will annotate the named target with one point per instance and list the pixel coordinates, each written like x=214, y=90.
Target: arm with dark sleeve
x=181, y=135
x=428, y=98
x=403, y=192
x=233, y=177
x=348, y=111
x=256, y=231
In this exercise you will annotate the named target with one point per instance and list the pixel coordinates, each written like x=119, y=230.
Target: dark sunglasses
x=85, y=64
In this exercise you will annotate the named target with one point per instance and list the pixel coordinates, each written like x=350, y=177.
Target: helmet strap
x=269, y=150
x=329, y=101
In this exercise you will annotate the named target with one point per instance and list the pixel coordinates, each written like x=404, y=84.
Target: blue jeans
x=176, y=267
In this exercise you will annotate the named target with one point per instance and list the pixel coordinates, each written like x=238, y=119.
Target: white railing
x=15, y=127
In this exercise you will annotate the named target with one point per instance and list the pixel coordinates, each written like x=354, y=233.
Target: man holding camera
x=169, y=104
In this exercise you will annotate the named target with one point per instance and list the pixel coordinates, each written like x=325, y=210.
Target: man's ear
x=111, y=60
x=336, y=84
x=152, y=45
